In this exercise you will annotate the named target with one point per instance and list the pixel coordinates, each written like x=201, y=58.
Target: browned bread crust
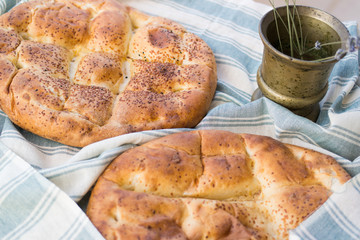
x=211, y=184
x=81, y=71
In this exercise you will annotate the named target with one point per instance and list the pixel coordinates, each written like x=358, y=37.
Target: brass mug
x=298, y=84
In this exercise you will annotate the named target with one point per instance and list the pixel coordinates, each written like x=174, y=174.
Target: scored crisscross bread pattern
x=211, y=184
x=81, y=71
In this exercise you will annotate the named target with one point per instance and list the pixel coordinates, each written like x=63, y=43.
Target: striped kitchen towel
x=43, y=183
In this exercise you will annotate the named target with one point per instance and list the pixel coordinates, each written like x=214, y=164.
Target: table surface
x=345, y=10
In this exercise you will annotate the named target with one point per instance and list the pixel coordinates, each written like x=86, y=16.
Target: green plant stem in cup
x=293, y=40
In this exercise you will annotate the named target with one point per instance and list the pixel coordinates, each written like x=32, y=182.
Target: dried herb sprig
x=297, y=40
x=352, y=45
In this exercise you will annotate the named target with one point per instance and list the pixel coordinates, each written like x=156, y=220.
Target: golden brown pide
x=211, y=184
x=81, y=71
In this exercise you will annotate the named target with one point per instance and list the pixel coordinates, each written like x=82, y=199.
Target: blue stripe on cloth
x=229, y=47
x=15, y=183
x=324, y=228
x=48, y=147
x=48, y=150
x=341, y=219
x=71, y=168
x=28, y=200
x=242, y=16
x=75, y=228
x=45, y=201
x=237, y=8
x=331, y=222
x=13, y=212
x=102, y=160
x=352, y=168
x=5, y=160
x=234, y=62
x=356, y=184
x=6, y=5
x=233, y=122
x=2, y=119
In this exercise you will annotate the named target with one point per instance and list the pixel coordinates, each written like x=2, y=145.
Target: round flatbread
x=81, y=71
x=211, y=184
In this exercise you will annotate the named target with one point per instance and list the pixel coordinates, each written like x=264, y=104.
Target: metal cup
x=298, y=84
